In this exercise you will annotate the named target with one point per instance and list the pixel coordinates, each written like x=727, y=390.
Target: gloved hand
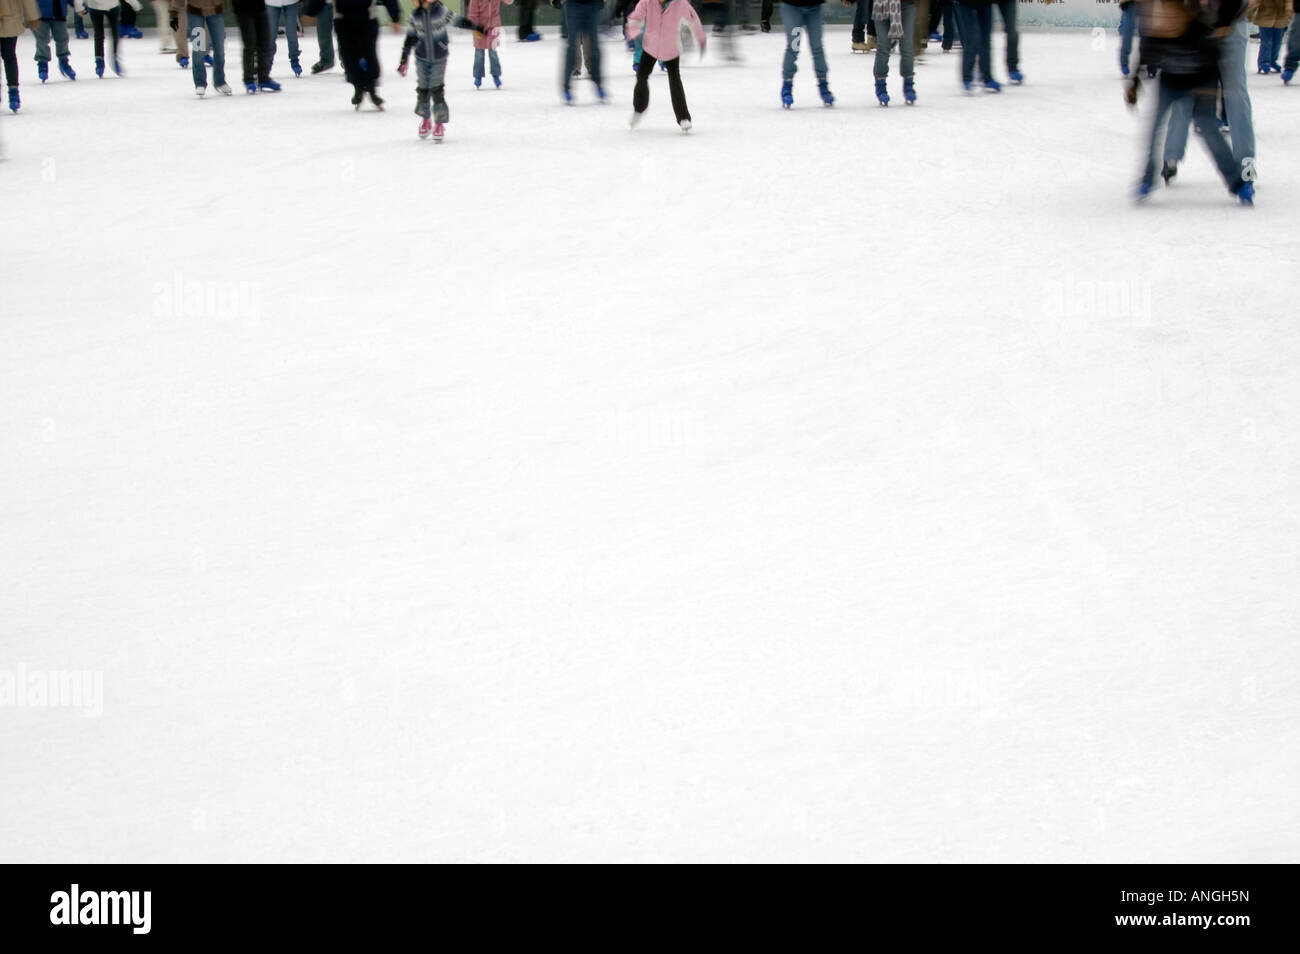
x=401, y=68
x=1132, y=86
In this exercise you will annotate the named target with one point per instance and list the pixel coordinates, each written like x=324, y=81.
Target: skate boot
x=250, y=88
x=1246, y=194
x=993, y=86
x=99, y=67
x=825, y=90
x=14, y=102
x=882, y=94
x=269, y=85
x=685, y=125
x=478, y=82
x=43, y=70
x=859, y=46
x=357, y=97
x=117, y=66
x=632, y=122
x=426, y=127
x=497, y=81
x=787, y=94
x=1017, y=78
x=374, y=98
x=293, y=65
x=224, y=89
x=439, y=130
x=1168, y=170
x=909, y=91
x=66, y=68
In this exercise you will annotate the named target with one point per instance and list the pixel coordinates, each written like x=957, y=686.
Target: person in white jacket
x=102, y=11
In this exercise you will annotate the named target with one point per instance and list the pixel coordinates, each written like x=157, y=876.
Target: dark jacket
x=1182, y=39
x=426, y=32
x=354, y=10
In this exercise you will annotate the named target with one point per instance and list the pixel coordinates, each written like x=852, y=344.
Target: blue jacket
x=426, y=31
x=53, y=9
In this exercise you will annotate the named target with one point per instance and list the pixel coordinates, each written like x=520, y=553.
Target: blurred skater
x=426, y=36
x=15, y=17
x=486, y=13
x=255, y=38
x=356, y=27
x=1182, y=42
x=802, y=20
x=582, y=23
x=895, y=20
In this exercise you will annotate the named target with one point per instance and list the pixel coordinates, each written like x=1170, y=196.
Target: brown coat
x=16, y=14
x=207, y=8
x=1272, y=13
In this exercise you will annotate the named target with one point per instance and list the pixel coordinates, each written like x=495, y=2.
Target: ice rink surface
x=833, y=484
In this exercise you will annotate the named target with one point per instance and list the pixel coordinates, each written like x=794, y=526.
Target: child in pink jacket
x=662, y=22
x=487, y=14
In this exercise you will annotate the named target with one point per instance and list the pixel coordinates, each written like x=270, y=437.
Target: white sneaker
x=686, y=125
x=200, y=90
x=224, y=89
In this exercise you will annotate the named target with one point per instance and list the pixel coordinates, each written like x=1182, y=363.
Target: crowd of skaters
x=1196, y=48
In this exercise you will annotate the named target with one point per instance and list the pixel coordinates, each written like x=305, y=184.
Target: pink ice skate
x=425, y=127
x=439, y=130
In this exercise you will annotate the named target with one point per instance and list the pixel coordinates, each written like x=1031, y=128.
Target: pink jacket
x=663, y=30
x=486, y=13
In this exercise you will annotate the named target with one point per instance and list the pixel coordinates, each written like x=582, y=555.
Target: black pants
x=254, y=32
x=357, y=42
x=128, y=14
x=641, y=92
x=9, y=53
x=97, y=17
x=526, y=9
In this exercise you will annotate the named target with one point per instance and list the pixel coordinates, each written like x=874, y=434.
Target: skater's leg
x=641, y=91
x=1165, y=100
x=272, y=32
x=9, y=54
x=478, y=64
x=792, y=22
x=97, y=25
x=289, y=15
x=494, y=62
x=261, y=55
x=984, y=16
x=1292, y=61
x=571, y=44
x=113, y=31
x=813, y=29
x=60, y=30
x=436, y=78
x=675, y=90
x=1205, y=114
x=195, y=28
x=372, y=56
x=1008, y=10
x=325, y=36
x=1180, y=121
x=217, y=46
x=920, y=35
x=907, y=45
x=1236, y=94
x=41, y=32
x=968, y=27
x=859, y=34
x=593, y=37
x=248, y=40
x=881, y=68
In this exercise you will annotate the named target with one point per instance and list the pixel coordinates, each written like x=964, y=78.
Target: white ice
x=853, y=483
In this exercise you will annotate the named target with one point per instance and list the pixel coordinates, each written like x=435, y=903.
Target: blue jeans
x=1008, y=11
x=800, y=22
x=1236, y=102
x=975, y=24
x=582, y=16
x=1204, y=106
x=494, y=62
x=1127, y=28
x=289, y=17
x=207, y=35
x=325, y=35
x=1292, y=60
x=906, y=43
